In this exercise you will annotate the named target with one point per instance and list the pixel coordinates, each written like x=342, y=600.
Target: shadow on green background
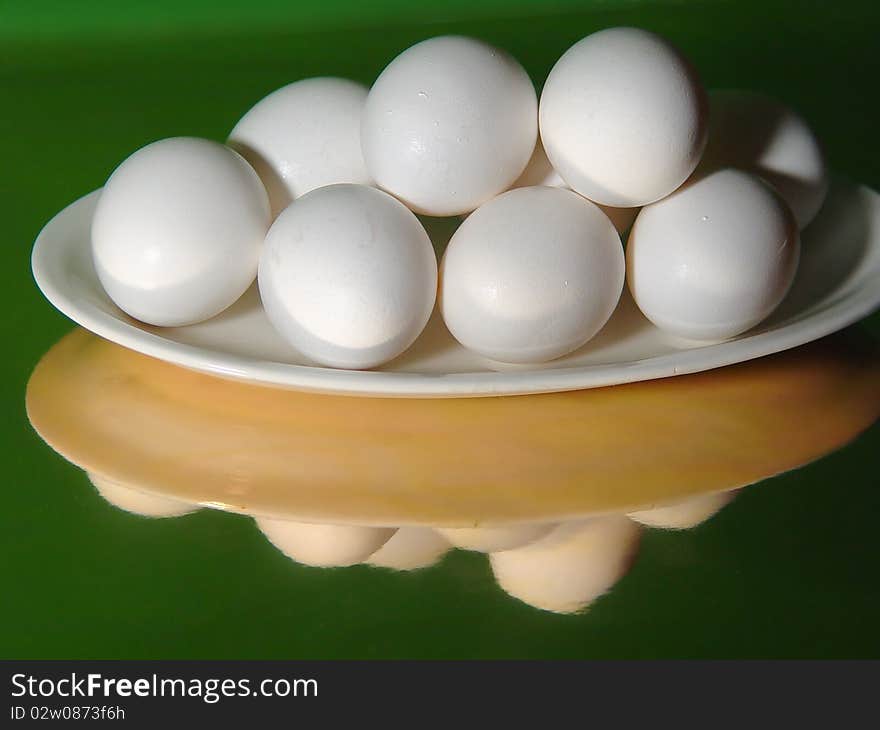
x=788, y=570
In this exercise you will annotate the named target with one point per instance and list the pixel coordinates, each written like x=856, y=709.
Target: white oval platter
x=838, y=283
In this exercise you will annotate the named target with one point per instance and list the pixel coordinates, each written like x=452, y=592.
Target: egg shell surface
x=450, y=123
x=713, y=259
x=531, y=275
x=177, y=231
x=539, y=171
x=303, y=136
x=348, y=276
x=623, y=117
x=756, y=133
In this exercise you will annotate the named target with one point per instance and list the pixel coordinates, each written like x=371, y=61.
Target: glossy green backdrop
x=789, y=570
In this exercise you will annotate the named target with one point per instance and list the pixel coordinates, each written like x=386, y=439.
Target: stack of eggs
x=317, y=190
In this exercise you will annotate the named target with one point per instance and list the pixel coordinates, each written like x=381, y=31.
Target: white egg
x=348, y=276
x=303, y=136
x=410, y=548
x=323, y=546
x=571, y=567
x=137, y=502
x=623, y=117
x=491, y=539
x=685, y=514
x=539, y=171
x=714, y=258
x=756, y=133
x=449, y=124
x=531, y=275
x=177, y=231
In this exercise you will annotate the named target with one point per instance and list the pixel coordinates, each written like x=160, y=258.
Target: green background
x=789, y=570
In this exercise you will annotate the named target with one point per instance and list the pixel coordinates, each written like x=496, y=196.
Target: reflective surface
x=557, y=567
x=456, y=463
x=787, y=569
x=543, y=484
x=561, y=568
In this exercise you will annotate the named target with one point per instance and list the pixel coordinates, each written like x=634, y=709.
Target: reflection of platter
x=837, y=284
x=177, y=433
x=394, y=483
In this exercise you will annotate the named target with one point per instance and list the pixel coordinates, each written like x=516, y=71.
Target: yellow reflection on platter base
x=455, y=463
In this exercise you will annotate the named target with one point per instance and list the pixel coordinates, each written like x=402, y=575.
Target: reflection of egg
x=622, y=117
x=323, y=545
x=303, y=136
x=449, y=124
x=348, y=276
x=571, y=567
x=139, y=503
x=531, y=275
x=682, y=515
x=756, y=133
x=177, y=231
x=714, y=258
x=410, y=548
x=490, y=539
x=539, y=171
